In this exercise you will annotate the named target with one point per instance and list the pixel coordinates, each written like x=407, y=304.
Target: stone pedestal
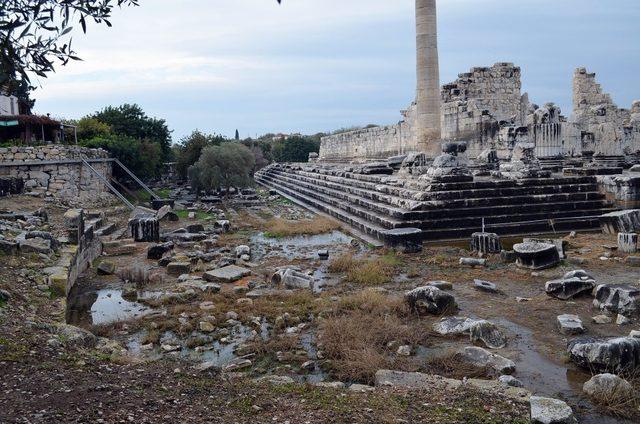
x=628, y=242
x=145, y=229
x=485, y=243
x=406, y=240
x=535, y=255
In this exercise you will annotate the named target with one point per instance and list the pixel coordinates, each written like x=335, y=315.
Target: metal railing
x=108, y=184
x=136, y=179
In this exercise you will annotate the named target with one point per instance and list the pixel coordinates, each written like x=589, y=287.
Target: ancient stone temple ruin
x=474, y=155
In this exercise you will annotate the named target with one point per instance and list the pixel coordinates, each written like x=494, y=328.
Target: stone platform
x=375, y=204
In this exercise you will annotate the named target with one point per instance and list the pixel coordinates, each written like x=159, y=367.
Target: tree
x=34, y=34
x=131, y=121
x=142, y=157
x=222, y=167
x=190, y=149
x=237, y=136
x=295, y=148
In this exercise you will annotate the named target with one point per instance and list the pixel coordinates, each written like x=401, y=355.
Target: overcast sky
x=318, y=65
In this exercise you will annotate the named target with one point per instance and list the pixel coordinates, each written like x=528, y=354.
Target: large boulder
x=487, y=333
x=605, y=355
x=430, y=300
x=482, y=358
x=619, y=299
x=573, y=284
x=608, y=386
x=550, y=411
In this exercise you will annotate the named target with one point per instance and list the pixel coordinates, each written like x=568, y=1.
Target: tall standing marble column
x=428, y=130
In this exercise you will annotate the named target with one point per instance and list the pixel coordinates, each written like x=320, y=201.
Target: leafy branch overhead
x=35, y=34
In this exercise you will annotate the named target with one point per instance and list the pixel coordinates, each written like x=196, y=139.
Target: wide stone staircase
x=375, y=204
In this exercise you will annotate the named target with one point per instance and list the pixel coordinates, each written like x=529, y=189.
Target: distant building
x=17, y=123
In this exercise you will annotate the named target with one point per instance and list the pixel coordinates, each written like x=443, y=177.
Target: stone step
x=498, y=220
x=377, y=219
x=424, y=191
x=450, y=218
x=359, y=224
x=396, y=196
x=399, y=213
x=534, y=207
x=511, y=228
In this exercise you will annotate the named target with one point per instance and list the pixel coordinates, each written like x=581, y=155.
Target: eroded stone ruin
x=518, y=168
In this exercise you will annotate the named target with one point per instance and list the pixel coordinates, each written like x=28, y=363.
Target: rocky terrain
x=251, y=309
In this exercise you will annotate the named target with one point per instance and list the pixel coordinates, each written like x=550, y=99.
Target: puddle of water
x=300, y=247
x=105, y=306
x=316, y=375
x=220, y=354
x=543, y=377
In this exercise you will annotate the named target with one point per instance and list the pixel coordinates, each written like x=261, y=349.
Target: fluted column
x=428, y=130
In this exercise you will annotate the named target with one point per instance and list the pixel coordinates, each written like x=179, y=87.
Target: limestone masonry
x=486, y=108
x=56, y=169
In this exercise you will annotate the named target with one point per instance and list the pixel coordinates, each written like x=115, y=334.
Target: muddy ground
x=153, y=360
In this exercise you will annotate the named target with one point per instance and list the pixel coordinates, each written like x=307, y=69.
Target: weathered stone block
x=227, y=274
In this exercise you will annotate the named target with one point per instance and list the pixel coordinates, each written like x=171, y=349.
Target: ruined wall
x=372, y=143
x=479, y=102
x=54, y=169
x=605, y=128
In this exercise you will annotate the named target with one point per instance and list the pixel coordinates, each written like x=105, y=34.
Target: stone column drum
x=628, y=242
x=428, y=76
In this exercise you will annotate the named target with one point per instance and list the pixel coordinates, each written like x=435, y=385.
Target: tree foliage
x=35, y=34
x=190, y=148
x=295, y=148
x=88, y=128
x=140, y=156
x=131, y=121
x=226, y=166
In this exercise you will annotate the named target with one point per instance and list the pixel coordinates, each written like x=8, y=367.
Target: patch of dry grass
x=281, y=228
x=620, y=404
x=368, y=272
x=358, y=344
x=452, y=365
x=344, y=263
x=373, y=302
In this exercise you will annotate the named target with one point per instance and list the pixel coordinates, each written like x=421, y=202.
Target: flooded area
x=300, y=247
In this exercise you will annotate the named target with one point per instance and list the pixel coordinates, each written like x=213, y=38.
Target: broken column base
x=485, y=243
x=628, y=242
x=535, y=255
x=405, y=240
x=145, y=229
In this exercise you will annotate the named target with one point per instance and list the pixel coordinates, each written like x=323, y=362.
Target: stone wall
x=485, y=108
x=604, y=128
x=56, y=169
x=372, y=143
